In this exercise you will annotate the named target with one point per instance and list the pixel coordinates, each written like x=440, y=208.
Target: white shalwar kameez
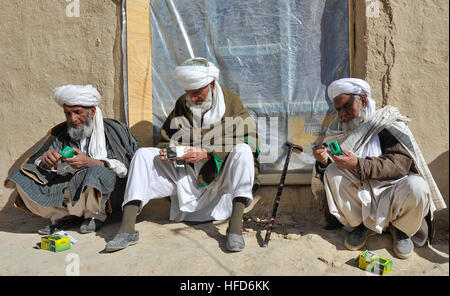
x=150, y=178
x=404, y=202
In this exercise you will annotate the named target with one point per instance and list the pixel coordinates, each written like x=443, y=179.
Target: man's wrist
x=324, y=165
x=44, y=166
x=95, y=162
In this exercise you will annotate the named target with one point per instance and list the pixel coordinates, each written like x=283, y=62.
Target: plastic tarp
x=277, y=55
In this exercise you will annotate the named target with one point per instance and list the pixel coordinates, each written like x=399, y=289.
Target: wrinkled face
x=347, y=106
x=198, y=96
x=77, y=116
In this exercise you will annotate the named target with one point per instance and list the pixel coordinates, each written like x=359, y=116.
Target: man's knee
x=243, y=150
x=332, y=171
x=242, y=156
x=98, y=176
x=418, y=188
x=146, y=152
x=100, y=171
x=145, y=155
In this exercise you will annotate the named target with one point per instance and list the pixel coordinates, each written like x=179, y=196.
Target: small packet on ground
x=55, y=243
x=374, y=263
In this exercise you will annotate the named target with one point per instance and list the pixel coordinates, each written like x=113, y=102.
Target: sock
x=129, y=216
x=235, y=225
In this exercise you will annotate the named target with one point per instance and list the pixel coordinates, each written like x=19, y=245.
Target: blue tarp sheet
x=277, y=55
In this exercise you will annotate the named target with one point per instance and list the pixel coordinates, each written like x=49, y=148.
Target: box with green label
x=374, y=263
x=55, y=243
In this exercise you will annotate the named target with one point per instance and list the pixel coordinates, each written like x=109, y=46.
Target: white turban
x=77, y=95
x=86, y=96
x=352, y=86
x=358, y=87
x=196, y=73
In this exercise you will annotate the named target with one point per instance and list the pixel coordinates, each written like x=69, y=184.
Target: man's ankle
x=235, y=224
x=130, y=211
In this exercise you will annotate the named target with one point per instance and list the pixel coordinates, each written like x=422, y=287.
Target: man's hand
x=320, y=154
x=81, y=160
x=50, y=160
x=346, y=161
x=194, y=154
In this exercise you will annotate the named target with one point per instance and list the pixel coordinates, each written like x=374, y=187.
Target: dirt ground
x=299, y=245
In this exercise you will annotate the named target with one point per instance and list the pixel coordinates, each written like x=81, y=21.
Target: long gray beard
x=355, y=122
x=84, y=132
x=204, y=107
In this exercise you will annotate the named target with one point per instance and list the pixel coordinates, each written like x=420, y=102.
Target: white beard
x=84, y=132
x=203, y=107
x=355, y=122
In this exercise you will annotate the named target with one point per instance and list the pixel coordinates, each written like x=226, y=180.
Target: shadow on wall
x=118, y=102
x=440, y=170
x=8, y=184
x=13, y=219
x=330, y=50
x=143, y=132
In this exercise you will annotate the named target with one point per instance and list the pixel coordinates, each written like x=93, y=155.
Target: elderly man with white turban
x=214, y=179
x=382, y=181
x=84, y=187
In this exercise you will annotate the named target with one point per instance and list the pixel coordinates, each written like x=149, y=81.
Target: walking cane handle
x=294, y=146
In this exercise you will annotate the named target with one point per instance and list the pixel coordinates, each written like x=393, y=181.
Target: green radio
x=67, y=152
x=335, y=148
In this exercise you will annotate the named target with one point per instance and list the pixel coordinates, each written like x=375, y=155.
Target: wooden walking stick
x=280, y=189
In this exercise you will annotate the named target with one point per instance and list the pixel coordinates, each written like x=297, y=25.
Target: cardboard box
x=55, y=243
x=374, y=263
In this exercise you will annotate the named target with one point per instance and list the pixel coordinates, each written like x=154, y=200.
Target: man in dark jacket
x=381, y=180
x=213, y=177
x=83, y=186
